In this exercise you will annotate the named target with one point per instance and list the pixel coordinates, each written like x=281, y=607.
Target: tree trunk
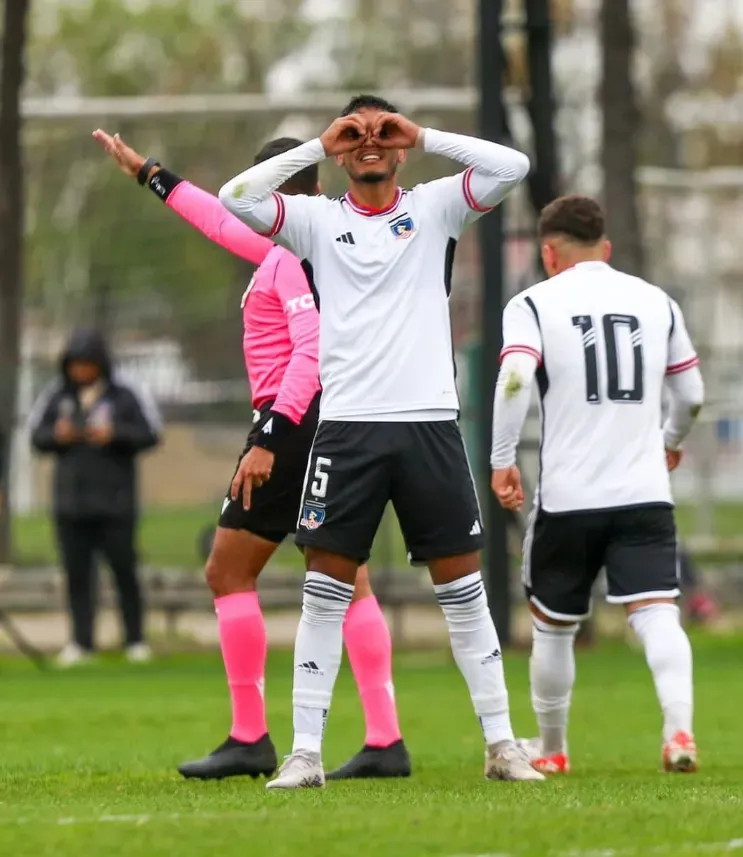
x=621, y=127
x=11, y=238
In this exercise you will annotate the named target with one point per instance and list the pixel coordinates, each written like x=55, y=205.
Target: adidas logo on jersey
x=268, y=427
x=310, y=667
x=476, y=529
x=346, y=238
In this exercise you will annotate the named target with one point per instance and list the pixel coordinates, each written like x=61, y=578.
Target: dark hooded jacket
x=93, y=481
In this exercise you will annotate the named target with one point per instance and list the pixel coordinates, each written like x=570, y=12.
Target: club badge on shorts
x=313, y=514
x=402, y=226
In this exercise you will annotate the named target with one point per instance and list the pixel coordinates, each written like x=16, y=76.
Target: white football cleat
x=73, y=655
x=506, y=761
x=138, y=653
x=531, y=746
x=302, y=770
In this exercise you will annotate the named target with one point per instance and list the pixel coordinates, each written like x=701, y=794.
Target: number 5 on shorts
x=319, y=487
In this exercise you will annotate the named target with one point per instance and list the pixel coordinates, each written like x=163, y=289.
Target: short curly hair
x=579, y=218
x=368, y=102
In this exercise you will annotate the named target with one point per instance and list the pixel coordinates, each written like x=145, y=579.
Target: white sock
x=552, y=676
x=668, y=654
x=476, y=648
x=317, y=656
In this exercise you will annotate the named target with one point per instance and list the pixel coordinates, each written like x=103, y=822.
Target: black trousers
x=81, y=542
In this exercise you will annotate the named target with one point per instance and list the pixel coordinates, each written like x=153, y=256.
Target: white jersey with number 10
x=605, y=342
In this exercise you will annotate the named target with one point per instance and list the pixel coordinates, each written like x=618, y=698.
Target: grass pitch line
x=136, y=819
x=684, y=848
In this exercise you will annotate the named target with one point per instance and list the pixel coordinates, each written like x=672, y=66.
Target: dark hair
x=305, y=181
x=368, y=102
x=578, y=218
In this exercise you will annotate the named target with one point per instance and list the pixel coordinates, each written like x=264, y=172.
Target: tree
x=621, y=129
x=11, y=237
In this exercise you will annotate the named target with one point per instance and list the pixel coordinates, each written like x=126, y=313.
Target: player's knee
x=648, y=616
x=228, y=570
x=635, y=606
x=333, y=565
x=542, y=621
x=362, y=588
x=452, y=568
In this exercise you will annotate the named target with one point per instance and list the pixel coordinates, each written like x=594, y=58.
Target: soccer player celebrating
x=601, y=345
x=280, y=345
x=380, y=261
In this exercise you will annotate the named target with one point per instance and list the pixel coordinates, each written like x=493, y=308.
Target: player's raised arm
x=683, y=381
x=252, y=196
x=196, y=206
x=520, y=356
x=493, y=171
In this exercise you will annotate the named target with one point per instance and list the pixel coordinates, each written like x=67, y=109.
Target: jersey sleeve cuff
x=521, y=349
x=278, y=223
x=163, y=183
x=683, y=366
x=274, y=432
x=468, y=195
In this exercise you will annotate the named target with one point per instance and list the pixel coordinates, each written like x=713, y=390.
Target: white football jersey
x=605, y=342
x=382, y=280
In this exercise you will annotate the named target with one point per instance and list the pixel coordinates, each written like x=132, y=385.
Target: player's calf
x=668, y=653
x=235, y=561
x=552, y=676
x=369, y=646
x=477, y=651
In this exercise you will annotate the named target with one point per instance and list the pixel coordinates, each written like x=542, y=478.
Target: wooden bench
x=174, y=592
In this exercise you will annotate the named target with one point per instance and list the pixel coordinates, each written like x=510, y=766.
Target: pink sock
x=242, y=635
x=369, y=647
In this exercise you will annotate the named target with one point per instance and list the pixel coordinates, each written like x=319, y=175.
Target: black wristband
x=163, y=183
x=145, y=169
x=274, y=431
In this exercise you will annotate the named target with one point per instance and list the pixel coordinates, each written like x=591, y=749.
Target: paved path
x=414, y=627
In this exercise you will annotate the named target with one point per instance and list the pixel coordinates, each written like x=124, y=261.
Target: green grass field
x=168, y=537
x=87, y=767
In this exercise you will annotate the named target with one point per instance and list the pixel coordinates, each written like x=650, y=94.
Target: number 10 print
x=610, y=324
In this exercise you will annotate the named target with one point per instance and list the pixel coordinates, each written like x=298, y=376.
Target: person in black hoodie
x=95, y=425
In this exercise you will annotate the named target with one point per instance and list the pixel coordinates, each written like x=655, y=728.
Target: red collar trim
x=368, y=211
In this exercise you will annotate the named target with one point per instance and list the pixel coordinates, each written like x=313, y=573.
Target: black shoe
x=234, y=759
x=375, y=762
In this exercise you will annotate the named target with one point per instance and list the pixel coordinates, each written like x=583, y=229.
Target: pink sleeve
x=301, y=379
x=210, y=217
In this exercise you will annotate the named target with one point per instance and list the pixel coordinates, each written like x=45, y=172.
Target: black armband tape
x=144, y=170
x=274, y=431
x=163, y=183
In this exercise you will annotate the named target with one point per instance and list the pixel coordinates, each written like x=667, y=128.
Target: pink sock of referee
x=369, y=647
x=242, y=636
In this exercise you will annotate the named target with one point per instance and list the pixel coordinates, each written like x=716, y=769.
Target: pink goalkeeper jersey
x=280, y=321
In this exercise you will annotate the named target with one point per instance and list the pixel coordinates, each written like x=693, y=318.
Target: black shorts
x=274, y=506
x=356, y=468
x=564, y=553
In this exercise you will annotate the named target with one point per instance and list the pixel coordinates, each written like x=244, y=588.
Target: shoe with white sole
x=556, y=763
x=680, y=754
x=73, y=655
x=138, y=653
x=302, y=770
x=506, y=761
